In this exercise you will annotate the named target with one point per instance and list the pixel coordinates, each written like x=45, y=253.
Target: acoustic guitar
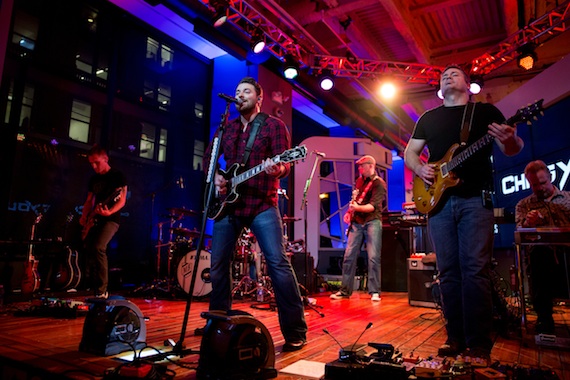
x=31, y=277
x=67, y=273
x=427, y=197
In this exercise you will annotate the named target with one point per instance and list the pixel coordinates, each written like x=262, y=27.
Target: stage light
x=220, y=12
x=438, y=92
x=527, y=57
x=290, y=67
x=388, y=90
x=326, y=80
x=476, y=84
x=257, y=42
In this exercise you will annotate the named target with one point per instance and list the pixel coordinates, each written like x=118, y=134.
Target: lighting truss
x=280, y=42
x=539, y=31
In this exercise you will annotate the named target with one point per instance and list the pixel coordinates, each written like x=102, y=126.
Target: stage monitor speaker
x=235, y=345
x=396, y=243
x=423, y=289
x=113, y=326
x=303, y=265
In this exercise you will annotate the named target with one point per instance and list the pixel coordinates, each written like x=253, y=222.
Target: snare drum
x=203, y=284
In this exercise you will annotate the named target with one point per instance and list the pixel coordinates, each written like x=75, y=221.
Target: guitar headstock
x=527, y=114
x=293, y=154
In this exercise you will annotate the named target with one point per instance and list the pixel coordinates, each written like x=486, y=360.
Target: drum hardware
x=203, y=285
x=245, y=256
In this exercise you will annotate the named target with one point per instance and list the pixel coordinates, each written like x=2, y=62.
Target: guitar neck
x=469, y=151
x=242, y=177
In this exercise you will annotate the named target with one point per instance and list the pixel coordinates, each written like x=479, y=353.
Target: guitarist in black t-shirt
x=100, y=218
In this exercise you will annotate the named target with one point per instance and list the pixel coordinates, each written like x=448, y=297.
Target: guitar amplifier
x=423, y=289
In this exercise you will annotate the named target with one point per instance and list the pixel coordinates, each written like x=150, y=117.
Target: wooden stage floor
x=44, y=344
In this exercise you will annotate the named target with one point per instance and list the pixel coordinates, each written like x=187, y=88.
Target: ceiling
x=386, y=35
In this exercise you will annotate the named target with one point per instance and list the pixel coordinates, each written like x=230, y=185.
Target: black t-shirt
x=441, y=128
x=103, y=186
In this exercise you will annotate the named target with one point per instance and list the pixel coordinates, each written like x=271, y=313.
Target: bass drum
x=203, y=285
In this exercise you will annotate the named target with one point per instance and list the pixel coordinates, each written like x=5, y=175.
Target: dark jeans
x=462, y=234
x=268, y=230
x=95, y=250
x=544, y=271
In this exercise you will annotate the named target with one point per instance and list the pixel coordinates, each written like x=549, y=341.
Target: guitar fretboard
x=469, y=151
x=249, y=173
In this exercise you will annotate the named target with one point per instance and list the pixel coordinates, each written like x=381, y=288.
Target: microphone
x=369, y=325
x=320, y=154
x=337, y=342
x=230, y=99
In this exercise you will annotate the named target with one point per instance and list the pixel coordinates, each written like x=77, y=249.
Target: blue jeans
x=372, y=232
x=268, y=230
x=462, y=235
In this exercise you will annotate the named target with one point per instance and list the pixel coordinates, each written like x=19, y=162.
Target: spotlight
x=326, y=80
x=439, y=93
x=220, y=12
x=476, y=84
x=527, y=57
x=388, y=90
x=257, y=41
x=290, y=67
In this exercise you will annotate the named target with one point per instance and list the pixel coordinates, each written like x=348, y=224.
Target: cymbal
x=290, y=219
x=188, y=233
x=182, y=211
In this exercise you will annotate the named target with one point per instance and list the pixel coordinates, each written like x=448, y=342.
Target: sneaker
x=339, y=296
x=375, y=297
x=104, y=295
x=450, y=348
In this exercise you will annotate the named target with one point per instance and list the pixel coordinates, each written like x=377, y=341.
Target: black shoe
x=199, y=331
x=293, y=345
x=450, y=349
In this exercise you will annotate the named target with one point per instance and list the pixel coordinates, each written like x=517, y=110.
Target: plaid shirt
x=259, y=193
x=555, y=212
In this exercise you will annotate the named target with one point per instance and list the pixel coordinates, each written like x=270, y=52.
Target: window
x=80, y=119
x=162, y=142
x=148, y=134
x=25, y=31
x=160, y=54
x=25, y=110
x=198, y=155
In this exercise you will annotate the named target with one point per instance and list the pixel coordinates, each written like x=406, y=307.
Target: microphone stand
x=179, y=348
x=305, y=228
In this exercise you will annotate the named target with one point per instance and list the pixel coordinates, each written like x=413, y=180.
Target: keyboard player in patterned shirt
x=547, y=206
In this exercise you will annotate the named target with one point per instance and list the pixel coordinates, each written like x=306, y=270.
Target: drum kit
x=181, y=255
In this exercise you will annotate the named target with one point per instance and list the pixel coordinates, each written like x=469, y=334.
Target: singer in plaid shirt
x=256, y=208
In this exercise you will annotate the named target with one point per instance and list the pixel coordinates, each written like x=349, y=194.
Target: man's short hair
x=534, y=167
x=97, y=150
x=254, y=83
x=456, y=66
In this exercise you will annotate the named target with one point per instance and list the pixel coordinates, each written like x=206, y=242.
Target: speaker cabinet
x=422, y=288
x=396, y=248
x=303, y=265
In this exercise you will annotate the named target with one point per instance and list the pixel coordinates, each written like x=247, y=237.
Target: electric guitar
x=92, y=217
x=235, y=179
x=352, y=199
x=427, y=197
x=31, y=277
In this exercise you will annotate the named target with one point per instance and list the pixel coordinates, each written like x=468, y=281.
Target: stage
x=37, y=342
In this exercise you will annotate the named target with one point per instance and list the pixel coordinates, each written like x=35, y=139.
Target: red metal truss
x=243, y=16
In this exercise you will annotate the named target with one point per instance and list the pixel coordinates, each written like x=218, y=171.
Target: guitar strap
x=466, y=123
x=363, y=194
x=257, y=122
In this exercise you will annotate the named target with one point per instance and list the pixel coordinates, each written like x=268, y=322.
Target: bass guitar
x=31, y=277
x=92, y=217
x=427, y=197
x=235, y=179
